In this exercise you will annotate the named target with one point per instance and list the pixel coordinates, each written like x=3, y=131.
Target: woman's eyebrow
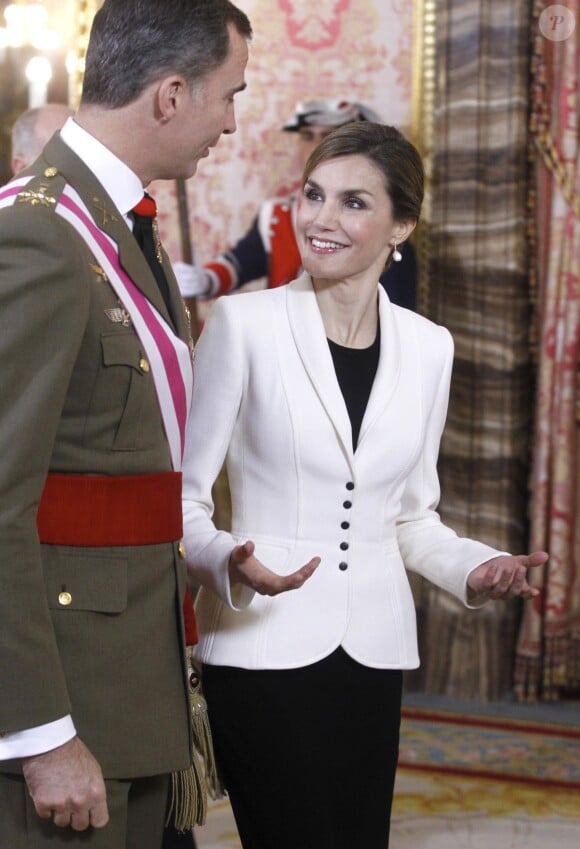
x=344, y=192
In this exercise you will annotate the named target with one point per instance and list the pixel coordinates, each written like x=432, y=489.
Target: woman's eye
x=311, y=194
x=355, y=203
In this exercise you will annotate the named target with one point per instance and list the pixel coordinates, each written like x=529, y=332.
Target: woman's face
x=344, y=222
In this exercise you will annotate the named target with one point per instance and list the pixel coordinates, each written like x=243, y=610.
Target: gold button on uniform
x=51, y=171
x=181, y=550
x=65, y=599
x=144, y=365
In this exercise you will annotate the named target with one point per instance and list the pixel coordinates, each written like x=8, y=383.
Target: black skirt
x=308, y=755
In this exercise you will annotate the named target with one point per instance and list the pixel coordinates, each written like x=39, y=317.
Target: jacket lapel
x=310, y=339
x=389, y=367
x=108, y=218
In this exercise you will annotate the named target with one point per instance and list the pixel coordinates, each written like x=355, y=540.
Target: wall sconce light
x=26, y=26
x=39, y=74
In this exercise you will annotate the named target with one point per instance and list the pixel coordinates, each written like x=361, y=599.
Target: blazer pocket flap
x=121, y=349
x=88, y=582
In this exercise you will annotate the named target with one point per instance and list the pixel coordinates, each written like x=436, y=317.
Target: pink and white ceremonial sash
x=169, y=357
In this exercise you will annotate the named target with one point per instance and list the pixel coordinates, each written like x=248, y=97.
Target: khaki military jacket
x=77, y=397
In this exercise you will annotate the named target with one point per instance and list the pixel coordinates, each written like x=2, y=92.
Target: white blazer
x=266, y=398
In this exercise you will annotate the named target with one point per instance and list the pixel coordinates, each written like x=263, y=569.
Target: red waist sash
x=102, y=510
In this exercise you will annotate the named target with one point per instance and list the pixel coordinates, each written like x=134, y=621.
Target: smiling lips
x=323, y=245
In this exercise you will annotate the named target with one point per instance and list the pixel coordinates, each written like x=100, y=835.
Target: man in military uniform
x=96, y=379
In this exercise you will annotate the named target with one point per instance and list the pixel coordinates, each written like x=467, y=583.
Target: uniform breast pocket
x=123, y=411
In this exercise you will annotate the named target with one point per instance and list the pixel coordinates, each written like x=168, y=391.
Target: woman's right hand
x=247, y=569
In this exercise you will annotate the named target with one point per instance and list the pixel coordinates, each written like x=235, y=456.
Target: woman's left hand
x=505, y=576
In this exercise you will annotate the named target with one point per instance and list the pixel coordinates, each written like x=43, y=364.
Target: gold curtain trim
x=552, y=159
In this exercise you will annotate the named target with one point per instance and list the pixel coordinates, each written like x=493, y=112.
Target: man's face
x=209, y=109
x=310, y=137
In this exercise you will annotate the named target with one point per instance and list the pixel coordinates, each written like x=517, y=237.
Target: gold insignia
x=107, y=216
x=191, y=342
x=99, y=271
x=37, y=198
x=118, y=315
x=51, y=171
x=158, y=253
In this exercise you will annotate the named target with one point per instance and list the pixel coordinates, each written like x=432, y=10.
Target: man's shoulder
x=33, y=195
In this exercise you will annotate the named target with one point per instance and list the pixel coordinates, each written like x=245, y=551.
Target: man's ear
x=17, y=163
x=170, y=93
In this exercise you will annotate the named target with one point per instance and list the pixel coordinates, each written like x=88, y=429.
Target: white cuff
x=37, y=740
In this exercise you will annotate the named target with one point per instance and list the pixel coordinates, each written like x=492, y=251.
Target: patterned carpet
x=470, y=782
x=489, y=747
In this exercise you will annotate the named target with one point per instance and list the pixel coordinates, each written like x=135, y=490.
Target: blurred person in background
x=31, y=131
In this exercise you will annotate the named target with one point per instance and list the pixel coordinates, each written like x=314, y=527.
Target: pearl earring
x=397, y=255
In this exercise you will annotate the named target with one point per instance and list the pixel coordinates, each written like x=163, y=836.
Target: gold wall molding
x=84, y=12
x=424, y=89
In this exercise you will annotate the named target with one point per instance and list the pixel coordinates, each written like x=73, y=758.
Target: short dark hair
x=135, y=42
x=389, y=150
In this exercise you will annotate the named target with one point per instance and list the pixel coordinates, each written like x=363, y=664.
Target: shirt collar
x=121, y=184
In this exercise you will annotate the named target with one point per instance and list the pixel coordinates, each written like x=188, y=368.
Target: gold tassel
x=190, y=787
x=188, y=798
x=203, y=743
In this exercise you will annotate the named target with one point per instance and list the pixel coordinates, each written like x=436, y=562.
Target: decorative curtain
x=478, y=288
x=548, y=649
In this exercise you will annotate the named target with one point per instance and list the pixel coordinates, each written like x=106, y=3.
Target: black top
x=355, y=370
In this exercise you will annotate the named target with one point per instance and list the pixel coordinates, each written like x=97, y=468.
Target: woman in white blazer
x=328, y=404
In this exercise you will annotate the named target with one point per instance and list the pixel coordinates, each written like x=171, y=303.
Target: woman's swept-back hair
x=135, y=42
x=388, y=149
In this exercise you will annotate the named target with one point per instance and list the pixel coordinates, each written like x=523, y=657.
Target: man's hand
x=66, y=785
x=505, y=576
x=247, y=569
